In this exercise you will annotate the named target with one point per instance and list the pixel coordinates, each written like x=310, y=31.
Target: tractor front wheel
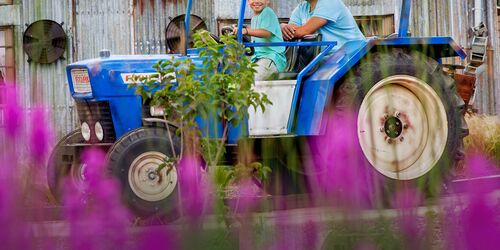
x=144, y=160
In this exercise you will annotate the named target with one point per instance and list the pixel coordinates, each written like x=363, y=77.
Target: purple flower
x=41, y=135
x=97, y=218
x=13, y=112
x=194, y=189
x=338, y=171
x=14, y=232
x=473, y=222
x=158, y=238
x=310, y=235
x=410, y=226
x=247, y=197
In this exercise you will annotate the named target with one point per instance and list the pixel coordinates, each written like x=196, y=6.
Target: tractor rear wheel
x=135, y=159
x=65, y=162
x=410, y=123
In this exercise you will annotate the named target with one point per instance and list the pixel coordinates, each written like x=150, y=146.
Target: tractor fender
x=318, y=89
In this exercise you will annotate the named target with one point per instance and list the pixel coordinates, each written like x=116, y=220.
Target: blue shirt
x=341, y=26
x=268, y=20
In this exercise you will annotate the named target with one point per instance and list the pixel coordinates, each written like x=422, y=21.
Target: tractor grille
x=92, y=112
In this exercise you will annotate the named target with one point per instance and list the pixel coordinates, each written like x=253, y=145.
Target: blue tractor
x=409, y=117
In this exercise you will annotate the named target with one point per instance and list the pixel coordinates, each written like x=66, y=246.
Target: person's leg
x=265, y=68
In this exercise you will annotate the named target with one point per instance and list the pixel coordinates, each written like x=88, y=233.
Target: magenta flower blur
x=473, y=222
x=247, y=197
x=194, y=188
x=14, y=230
x=97, y=218
x=337, y=170
x=13, y=112
x=41, y=135
x=158, y=238
x=410, y=226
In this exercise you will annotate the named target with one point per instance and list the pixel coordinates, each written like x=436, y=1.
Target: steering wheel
x=250, y=51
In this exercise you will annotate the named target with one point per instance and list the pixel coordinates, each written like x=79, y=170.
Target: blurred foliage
x=220, y=89
x=484, y=135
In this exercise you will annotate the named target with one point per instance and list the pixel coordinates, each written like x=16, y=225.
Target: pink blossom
x=194, y=188
x=41, y=135
x=247, y=197
x=338, y=171
x=411, y=228
x=473, y=222
x=97, y=218
x=13, y=112
x=158, y=238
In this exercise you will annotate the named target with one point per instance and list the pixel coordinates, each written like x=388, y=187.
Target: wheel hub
x=152, y=175
x=393, y=127
x=148, y=180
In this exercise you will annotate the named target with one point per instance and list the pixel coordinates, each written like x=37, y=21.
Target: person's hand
x=288, y=31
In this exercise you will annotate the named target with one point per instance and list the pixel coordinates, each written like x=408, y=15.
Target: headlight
x=81, y=81
x=85, y=131
x=156, y=111
x=99, y=132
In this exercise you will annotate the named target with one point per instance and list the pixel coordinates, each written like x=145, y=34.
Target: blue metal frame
x=187, y=20
x=330, y=45
x=241, y=19
x=404, y=18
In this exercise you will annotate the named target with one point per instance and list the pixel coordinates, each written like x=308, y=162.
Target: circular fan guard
x=175, y=32
x=44, y=41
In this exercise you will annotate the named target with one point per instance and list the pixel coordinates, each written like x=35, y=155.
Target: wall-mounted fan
x=176, y=35
x=44, y=41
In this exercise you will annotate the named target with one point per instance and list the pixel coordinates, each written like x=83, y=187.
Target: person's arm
x=311, y=26
x=262, y=33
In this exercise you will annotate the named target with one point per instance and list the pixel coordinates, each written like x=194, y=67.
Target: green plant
x=219, y=90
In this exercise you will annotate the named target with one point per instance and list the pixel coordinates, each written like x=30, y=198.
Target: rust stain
x=141, y=4
x=164, y=2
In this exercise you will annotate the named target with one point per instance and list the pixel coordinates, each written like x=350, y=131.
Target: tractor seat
x=298, y=57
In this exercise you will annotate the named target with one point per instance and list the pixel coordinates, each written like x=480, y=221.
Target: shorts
x=265, y=68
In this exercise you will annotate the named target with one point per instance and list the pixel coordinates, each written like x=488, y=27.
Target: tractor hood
x=111, y=76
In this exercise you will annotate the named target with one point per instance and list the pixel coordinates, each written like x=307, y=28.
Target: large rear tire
x=135, y=160
x=410, y=123
x=65, y=162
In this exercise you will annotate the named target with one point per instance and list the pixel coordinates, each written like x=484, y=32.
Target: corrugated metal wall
x=94, y=25
x=152, y=17
x=45, y=84
x=102, y=25
x=488, y=90
x=440, y=18
x=229, y=9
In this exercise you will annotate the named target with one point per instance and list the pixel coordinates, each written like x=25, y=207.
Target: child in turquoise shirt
x=265, y=28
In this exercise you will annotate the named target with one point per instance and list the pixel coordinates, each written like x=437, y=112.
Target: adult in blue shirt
x=331, y=18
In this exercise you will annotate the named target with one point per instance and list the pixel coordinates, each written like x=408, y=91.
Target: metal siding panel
x=103, y=25
x=45, y=84
x=151, y=22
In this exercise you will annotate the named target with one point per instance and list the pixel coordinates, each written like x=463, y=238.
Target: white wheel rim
x=402, y=127
x=146, y=183
x=77, y=175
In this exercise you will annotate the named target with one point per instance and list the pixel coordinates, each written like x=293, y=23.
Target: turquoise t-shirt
x=268, y=20
x=341, y=26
